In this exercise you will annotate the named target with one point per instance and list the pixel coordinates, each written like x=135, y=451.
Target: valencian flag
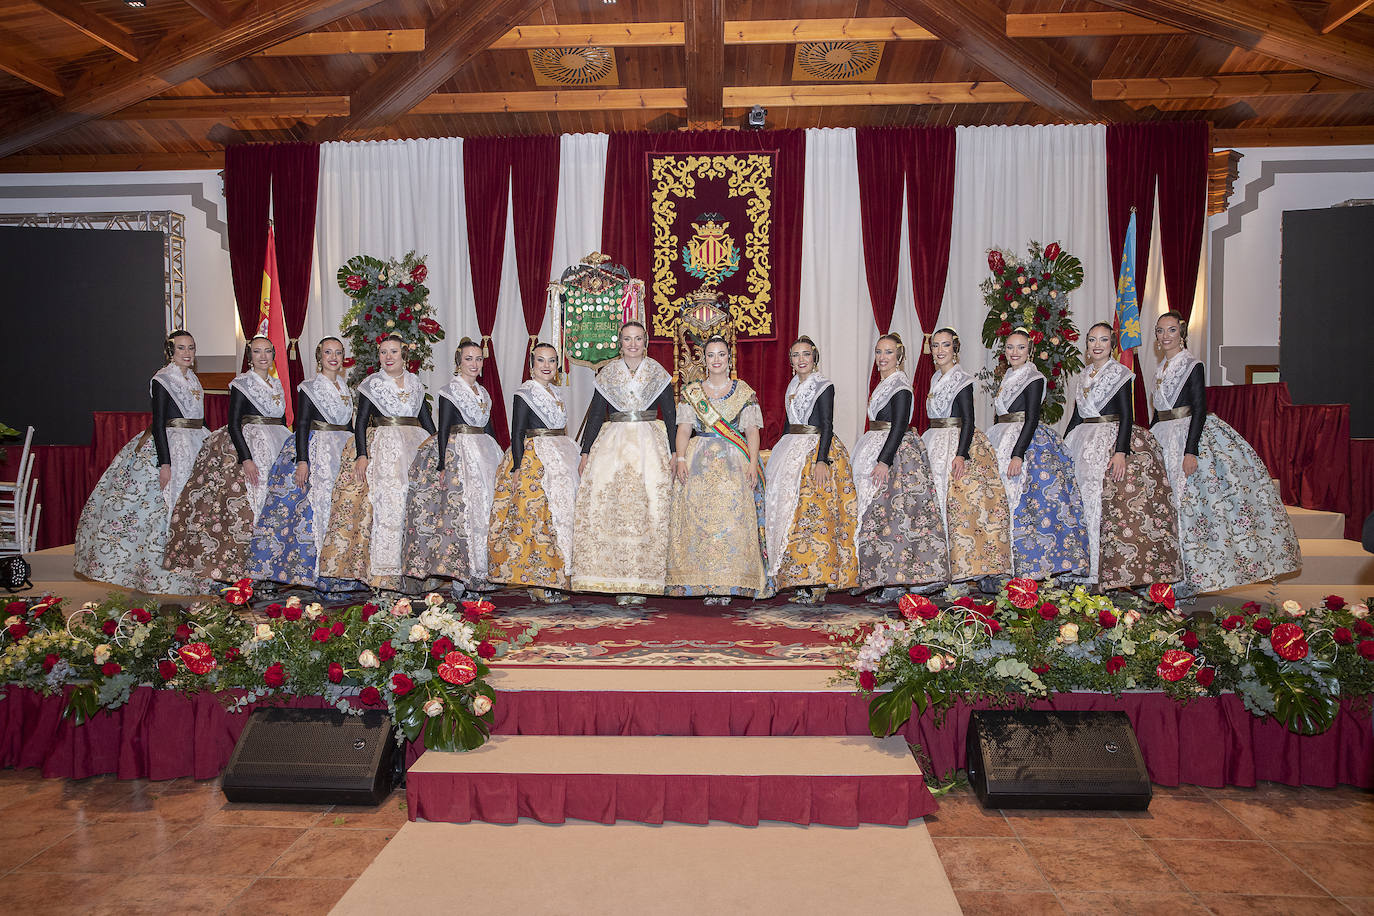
x=272, y=321
x=1127, y=306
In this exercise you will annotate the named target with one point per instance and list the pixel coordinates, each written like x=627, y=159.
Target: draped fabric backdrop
x=486, y=191
x=930, y=216
x=534, y=207
x=248, y=200
x=295, y=192
x=882, y=173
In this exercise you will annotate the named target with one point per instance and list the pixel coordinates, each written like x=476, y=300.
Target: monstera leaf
x=890, y=711
x=1068, y=271
x=1300, y=702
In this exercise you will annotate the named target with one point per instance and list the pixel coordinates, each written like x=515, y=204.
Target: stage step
x=1328, y=561
x=1313, y=523
x=838, y=781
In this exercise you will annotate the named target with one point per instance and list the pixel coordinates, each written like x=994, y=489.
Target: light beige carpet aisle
x=578, y=868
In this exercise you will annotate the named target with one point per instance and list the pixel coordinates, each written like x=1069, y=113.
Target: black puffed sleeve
x=1028, y=400
x=449, y=417
x=962, y=407
x=164, y=409
x=1194, y=395
x=306, y=413
x=426, y=418
x=667, y=409
x=596, y=415
x=1121, y=406
x=522, y=418
x=1074, y=421
x=366, y=409
x=239, y=406
x=823, y=418
x=897, y=411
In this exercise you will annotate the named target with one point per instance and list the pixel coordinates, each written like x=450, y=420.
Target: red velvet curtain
x=625, y=237
x=930, y=221
x=1181, y=154
x=1131, y=183
x=534, y=204
x=882, y=156
x=486, y=188
x=295, y=187
x=247, y=197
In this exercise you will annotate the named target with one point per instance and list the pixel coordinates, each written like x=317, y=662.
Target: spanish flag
x=272, y=322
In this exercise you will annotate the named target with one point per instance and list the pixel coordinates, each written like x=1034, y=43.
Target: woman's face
x=389, y=355
x=331, y=356
x=802, y=356
x=183, y=351
x=1168, y=334
x=632, y=341
x=717, y=358
x=544, y=365
x=1099, y=344
x=470, y=363
x=942, y=350
x=885, y=355
x=1017, y=350
x=260, y=353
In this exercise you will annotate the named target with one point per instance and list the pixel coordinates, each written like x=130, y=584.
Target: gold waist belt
x=183, y=423
x=1178, y=413
x=1017, y=417
x=560, y=431
x=264, y=421
x=632, y=416
x=879, y=426
x=1105, y=418
x=467, y=430
x=324, y=427
x=395, y=421
x=947, y=423
x=799, y=429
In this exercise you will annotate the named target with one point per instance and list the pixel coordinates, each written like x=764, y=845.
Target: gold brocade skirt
x=716, y=526
x=345, y=553
x=528, y=545
x=820, y=541
x=977, y=517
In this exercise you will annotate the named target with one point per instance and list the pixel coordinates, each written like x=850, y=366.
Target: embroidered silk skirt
x=900, y=539
x=1048, y=538
x=716, y=528
x=974, y=511
x=448, y=512
x=810, y=530
x=532, y=515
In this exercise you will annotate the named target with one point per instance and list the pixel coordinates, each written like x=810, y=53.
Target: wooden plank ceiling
x=101, y=84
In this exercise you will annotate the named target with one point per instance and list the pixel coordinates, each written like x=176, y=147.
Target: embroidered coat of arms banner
x=712, y=225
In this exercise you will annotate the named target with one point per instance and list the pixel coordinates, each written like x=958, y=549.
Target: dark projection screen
x=85, y=307
x=1326, y=341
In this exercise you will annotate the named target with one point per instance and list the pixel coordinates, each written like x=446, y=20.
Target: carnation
x=368, y=659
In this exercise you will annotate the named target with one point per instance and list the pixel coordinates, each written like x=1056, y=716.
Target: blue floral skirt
x=1047, y=533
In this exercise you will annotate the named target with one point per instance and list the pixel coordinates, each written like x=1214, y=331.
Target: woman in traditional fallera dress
x=1047, y=534
x=448, y=510
x=810, y=504
x=1128, y=507
x=300, y=487
x=122, y=533
x=620, y=531
x=716, y=524
x=1233, y=528
x=968, y=489
x=532, y=516
x=900, y=540
x=367, y=514
x=212, y=522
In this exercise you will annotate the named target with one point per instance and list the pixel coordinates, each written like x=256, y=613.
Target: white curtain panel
x=384, y=199
x=1015, y=184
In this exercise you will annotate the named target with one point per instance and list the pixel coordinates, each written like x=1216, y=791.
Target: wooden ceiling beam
x=1269, y=27
x=235, y=107
x=791, y=31
x=1232, y=137
x=20, y=60
x=93, y=25
x=178, y=57
x=597, y=34
x=452, y=103
x=978, y=29
x=1226, y=85
x=1339, y=11
x=1081, y=25
x=371, y=41
x=871, y=94
x=114, y=162
x=704, y=34
x=214, y=10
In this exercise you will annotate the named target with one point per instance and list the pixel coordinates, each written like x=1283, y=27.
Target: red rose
x=1048, y=611
x=321, y=634
x=110, y=669
x=980, y=618
x=275, y=675
x=919, y=654
x=1022, y=593
x=50, y=661
x=110, y=626
x=370, y=696
x=867, y=680
x=1174, y=664
x=368, y=610
x=1205, y=676
x=1115, y=664
x=1162, y=593
x=1041, y=313
x=485, y=650
x=381, y=337
x=167, y=669
x=966, y=602
x=1262, y=625
x=1251, y=607
x=401, y=685
x=183, y=632
x=355, y=282
x=419, y=272
x=408, y=287
x=1045, y=276
x=1057, y=370
x=1004, y=329
x=1230, y=623
x=1333, y=602
x=442, y=646
x=405, y=315
x=197, y=657
x=1041, y=668
x=1367, y=650
x=1052, y=251
x=1106, y=619
x=1007, y=297
x=1364, y=628
x=1189, y=639
x=292, y=613
x=386, y=651
x=273, y=610
x=17, y=631
x=335, y=672
x=457, y=668
x=140, y=615
x=1289, y=642
x=15, y=607
x=232, y=654
x=917, y=607
x=337, y=629
x=1343, y=636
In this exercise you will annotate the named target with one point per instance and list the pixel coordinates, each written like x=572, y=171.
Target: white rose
x=102, y=654
x=368, y=659
x=936, y=664
x=1294, y=609
x=434, y=707
x=418, y=633
x=1025, y=290
x=1054, y=341
x=1358, y=611
x=390, y=323
x=434, y=599
x=481, y=704
x=263, y=632
x=293, y=601
x=401, y=608
x=1068, y=633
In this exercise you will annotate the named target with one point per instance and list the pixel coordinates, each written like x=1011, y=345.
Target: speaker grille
x=311, y=750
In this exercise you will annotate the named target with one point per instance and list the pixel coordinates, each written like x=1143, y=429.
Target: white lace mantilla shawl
x=381, y=390
x=802, y=396
x=475, y=406
x=1170, y=376
x=184, y=388
x=1098, y=390
x=264, y=393
x=545, y=403
x=334, y=402
x=889, y=386
x=1013, y=383
x=637, y=390
x=945, y=389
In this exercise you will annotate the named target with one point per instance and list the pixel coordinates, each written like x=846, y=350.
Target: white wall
x=197, y=195
x=1246, y=240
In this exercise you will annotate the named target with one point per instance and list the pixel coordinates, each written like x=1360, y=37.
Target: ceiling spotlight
x=756, y=118
x=136, y=4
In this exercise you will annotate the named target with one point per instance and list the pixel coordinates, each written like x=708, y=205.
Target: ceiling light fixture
x=136, y=4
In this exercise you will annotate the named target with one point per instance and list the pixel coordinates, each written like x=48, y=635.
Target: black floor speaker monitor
x=1025, y=759
x=312, y=756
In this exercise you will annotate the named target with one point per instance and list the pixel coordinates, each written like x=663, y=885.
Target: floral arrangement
x=389, y=297
x=424, y=662
x=1033, y=294
x=1032, y=639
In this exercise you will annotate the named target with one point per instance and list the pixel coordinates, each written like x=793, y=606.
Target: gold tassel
x=925, y=344
x=485, y=353
x=291, y=348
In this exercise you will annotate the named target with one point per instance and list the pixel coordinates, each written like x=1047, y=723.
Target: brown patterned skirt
x=212, y=521
x=345, y=553
x=1139, y=533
